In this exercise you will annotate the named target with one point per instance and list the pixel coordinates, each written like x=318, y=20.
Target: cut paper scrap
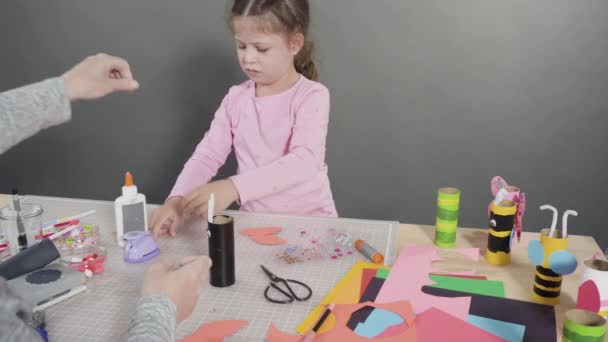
x=509, y=331
x=588, y=297
x=382, y=273
x=471, y=253
x=340, y=331
x=215, y=331
x=394, y=330
x=538, y=319
x=371, y=293
x=367, y=275
x=378, y=321
x=484, y=287
x=347, y=291
x=276, y=335
x=436, y=325
x=407, y=277
x=264, y=235
x=456, y=275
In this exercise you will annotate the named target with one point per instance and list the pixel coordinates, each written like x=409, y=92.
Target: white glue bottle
x=130, y=211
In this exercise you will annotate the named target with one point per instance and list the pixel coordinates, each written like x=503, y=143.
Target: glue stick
x=370, y=252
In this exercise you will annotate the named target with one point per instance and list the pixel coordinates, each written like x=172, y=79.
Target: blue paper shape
x=536, y=252
x=378, y=321
x=509, y=331
x=563, y=262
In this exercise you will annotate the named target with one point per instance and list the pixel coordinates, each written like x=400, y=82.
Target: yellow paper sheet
x=347, y=291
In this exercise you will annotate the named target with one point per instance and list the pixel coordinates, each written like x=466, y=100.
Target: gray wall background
x=424, y=94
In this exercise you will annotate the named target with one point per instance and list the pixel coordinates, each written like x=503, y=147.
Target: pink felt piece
x=260, y=231
x=588, y=297
x=407, y=277
x=267, y=239
x=436, y=325
x=215, y=331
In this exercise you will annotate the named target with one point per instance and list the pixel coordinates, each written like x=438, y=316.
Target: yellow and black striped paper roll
x=583, y=326
x=448, y=201
x=502, y=219
x=548, y=284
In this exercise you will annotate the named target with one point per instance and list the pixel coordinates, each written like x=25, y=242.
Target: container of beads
x=89, y=259
x=84, y=236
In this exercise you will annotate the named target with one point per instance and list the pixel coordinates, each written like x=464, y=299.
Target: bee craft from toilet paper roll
x=552, y=259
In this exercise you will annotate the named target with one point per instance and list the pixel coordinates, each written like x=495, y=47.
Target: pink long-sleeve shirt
x=279, y=143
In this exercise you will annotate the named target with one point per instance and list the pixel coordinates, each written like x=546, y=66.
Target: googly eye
x=493, y=223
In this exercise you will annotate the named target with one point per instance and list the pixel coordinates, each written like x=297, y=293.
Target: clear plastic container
x=84, y=236
x=30, y=218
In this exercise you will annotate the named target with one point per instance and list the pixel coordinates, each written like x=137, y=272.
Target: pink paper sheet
x=407, y=277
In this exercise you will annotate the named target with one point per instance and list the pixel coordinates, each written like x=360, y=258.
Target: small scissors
x=289, y=296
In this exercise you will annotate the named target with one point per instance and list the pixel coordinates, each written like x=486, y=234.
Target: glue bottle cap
x=129, y=189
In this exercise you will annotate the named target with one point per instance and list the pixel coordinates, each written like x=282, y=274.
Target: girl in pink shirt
x=276, y=122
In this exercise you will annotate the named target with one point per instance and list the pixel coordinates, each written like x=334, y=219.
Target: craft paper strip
x=436, y=325
x=509, y=331
x=484, y=287
x=215, y=331
x=538, y=319
x=407, y=277
x=457, y=275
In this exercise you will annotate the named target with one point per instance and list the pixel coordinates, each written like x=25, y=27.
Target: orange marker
x=370, y=252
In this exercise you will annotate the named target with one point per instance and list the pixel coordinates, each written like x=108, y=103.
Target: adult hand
x=98, y=76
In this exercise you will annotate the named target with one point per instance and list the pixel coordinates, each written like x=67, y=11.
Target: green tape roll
x=448, y=202
x=584, y=326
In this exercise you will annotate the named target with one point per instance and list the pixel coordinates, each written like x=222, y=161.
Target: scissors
x=289, y=296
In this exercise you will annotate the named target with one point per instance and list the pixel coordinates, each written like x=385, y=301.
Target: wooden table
x=518, y=277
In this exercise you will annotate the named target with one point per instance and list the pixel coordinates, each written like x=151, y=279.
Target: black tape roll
x=221, y=251
x=31, y=259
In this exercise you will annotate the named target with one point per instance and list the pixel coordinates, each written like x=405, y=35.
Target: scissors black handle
x=289, y=296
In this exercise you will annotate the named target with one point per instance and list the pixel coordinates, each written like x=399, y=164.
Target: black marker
x=22, y=237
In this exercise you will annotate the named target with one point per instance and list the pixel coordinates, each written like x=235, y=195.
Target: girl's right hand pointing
x=168, y=218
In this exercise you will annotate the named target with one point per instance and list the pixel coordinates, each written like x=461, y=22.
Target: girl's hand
x=196, y=202
x=168, y=218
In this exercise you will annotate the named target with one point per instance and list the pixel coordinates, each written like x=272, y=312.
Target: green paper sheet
x=482, y=287
x=382, y=273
